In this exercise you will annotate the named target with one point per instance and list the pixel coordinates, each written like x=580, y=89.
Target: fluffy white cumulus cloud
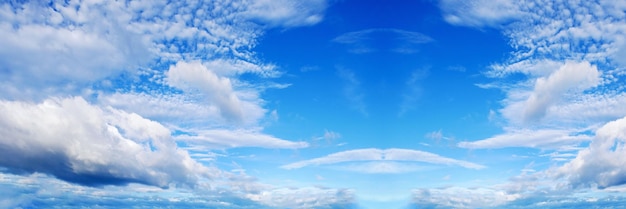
x=382, y=161
x=602, y=164
x=78, y=142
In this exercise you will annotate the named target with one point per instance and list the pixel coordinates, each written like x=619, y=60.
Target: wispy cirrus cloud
x=544, y=138
x=352, y=90
x=224, y=138
x=413, y=90
x=382, y=39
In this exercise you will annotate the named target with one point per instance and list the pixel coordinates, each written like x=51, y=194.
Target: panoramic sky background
x=313, y=104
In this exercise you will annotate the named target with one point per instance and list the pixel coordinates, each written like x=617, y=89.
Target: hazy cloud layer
x=382, y=39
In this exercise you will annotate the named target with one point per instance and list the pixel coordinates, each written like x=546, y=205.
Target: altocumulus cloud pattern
x=313, y=104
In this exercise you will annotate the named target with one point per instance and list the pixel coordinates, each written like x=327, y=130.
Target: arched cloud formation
x=382, y=161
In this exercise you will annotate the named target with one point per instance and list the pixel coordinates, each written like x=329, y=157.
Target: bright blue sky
x=313, y=104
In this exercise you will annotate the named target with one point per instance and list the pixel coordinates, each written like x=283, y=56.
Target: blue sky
x=313, y=104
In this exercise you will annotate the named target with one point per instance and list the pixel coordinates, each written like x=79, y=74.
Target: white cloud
x=545, y=32
x=436, y=135
x=223, y=138
x=413, y=90
x=575, y=97
x=572, y=76
x=568, y=30
x=227, y=68
x=287, y=13
x=601, y=164
x=564, y=80
x=533, y=67
x=208, y=98
x=345, y=156
x=38, y=190
x=331, y=135
x=76, y=44
x=307, y=197
x=382, y=167
x=85, y=144
x=497, y=197
x=328, y=137
x=103, y=51
x=426, y=157
x=381, y=159
x=352, y=90
x=182, y=109
x=65, y=49
x=567, y=53
x=544, y=138
x=368, y=40
x=479, y=13
x=460, y=197
x=595, y=174
x=589, y=109
x=219, y=91
x=559, y=30
x=526, y=105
